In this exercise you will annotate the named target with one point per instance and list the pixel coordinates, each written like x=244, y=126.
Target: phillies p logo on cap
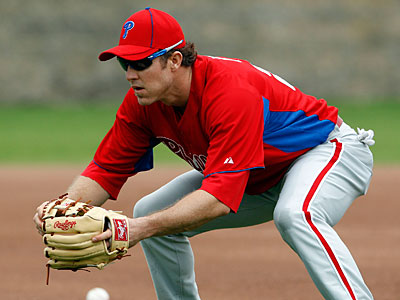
x=127, y=26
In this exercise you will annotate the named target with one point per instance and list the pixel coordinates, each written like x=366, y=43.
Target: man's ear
x=175, y=60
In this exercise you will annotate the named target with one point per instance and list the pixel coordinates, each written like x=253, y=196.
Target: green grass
x=46, y=134
x=51, y=134
x=383, y=118
x=71, y=133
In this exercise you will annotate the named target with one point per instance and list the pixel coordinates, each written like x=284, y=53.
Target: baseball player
x=260, y=149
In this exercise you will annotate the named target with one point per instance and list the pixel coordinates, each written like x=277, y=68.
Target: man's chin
x=145, y=101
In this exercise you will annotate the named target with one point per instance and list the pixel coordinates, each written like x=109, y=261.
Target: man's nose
x=131, y=74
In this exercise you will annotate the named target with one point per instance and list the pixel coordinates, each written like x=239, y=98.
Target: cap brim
x=128, y=52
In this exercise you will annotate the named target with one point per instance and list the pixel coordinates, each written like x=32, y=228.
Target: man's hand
x=37, y=218
x=69, y=228
x=106, y=235
x=84, y=189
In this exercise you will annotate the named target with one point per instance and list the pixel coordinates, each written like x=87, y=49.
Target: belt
x=339, y=121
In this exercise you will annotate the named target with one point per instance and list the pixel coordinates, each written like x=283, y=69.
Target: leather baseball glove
x=69, y=227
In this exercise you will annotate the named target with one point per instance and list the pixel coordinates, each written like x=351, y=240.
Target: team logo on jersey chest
x=197, y=161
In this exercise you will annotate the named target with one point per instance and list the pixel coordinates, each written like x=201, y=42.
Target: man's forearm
x=191, y=212
x=86, y=189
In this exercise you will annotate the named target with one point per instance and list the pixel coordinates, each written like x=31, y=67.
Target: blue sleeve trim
x=145, y=163
x=235, y=171
x=266, y=110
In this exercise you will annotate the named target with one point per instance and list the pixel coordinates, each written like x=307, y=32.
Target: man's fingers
x=37, y=218
x=102, y=236
x=39, y=209
x=39, y=213
x=38, y=223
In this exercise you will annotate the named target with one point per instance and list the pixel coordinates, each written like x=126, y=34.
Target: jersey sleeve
x=125, y=150
x=234, y=122
x=227, y=187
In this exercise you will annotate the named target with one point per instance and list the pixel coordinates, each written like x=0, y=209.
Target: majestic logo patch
x=127, y=26
x=121, y=230
x=64, y=226
x=229, y=160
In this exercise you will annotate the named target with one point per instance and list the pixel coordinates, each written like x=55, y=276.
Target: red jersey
x=242, y=128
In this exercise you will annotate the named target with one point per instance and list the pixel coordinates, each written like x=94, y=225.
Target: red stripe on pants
x=307, y=214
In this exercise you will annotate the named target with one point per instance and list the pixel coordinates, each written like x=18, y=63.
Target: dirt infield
x=248, y=263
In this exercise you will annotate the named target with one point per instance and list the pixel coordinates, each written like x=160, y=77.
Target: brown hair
x=189, y=54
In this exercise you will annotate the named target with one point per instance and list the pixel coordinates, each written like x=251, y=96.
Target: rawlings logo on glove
x=121, y=230
x=64, y=226
x=69, y=227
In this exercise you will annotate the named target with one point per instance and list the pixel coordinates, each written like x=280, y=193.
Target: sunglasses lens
x=124, y=63
x=138, y=65
x=142, y=64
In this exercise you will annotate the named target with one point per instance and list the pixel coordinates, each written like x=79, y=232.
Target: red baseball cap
x=144, y=33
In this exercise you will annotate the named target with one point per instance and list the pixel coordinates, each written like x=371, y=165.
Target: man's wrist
x=138, y=230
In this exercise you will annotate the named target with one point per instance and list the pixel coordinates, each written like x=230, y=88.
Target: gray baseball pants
x=312, y=197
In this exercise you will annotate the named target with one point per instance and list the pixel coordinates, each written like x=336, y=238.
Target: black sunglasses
x=142, y=64
x=137, y=65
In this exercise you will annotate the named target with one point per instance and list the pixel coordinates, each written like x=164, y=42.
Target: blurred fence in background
x=332, y=48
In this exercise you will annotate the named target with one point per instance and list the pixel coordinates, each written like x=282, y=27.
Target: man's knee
x=142, y=208
x=288, y=219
